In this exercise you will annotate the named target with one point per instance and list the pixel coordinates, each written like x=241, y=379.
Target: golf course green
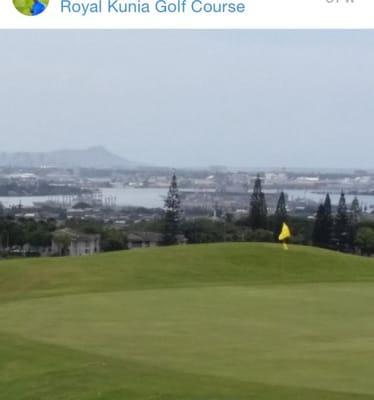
x=204, y=322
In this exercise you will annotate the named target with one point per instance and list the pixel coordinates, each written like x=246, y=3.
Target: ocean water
x=154, y=197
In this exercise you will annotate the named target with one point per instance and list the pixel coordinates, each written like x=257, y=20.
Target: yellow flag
x=286, y=233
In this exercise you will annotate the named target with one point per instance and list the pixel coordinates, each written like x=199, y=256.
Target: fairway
x=225, y=321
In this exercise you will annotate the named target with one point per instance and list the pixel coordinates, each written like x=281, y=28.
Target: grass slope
x=227, y=321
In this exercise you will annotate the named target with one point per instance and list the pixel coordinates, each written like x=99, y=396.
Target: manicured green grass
x=208, y=322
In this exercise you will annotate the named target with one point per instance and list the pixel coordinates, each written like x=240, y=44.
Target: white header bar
x=191, y=14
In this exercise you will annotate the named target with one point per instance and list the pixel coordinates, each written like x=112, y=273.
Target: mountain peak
x=92, y=157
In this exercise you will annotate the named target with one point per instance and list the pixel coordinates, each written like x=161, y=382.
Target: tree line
x=343, y=230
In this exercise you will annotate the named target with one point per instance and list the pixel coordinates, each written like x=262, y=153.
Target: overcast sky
x=185, y=98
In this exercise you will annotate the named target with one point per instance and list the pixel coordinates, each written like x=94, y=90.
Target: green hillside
x=208, y=322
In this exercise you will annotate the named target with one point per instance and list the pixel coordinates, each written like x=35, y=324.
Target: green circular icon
x=31, y=7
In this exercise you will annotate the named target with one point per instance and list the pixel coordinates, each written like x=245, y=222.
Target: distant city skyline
x=255, y=99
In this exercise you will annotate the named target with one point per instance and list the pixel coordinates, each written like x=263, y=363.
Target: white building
x=67, y=242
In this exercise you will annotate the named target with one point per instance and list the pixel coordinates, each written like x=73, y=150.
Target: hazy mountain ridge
x=92, y=157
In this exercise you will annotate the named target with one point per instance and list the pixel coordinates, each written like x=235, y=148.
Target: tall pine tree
x=324, y=225
x=354, y=220
x=342, y=224
x=355, y=211
x=258, y=209
x=280, y=215
x=173, y=214
x=319, y=228
x=328, y=223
